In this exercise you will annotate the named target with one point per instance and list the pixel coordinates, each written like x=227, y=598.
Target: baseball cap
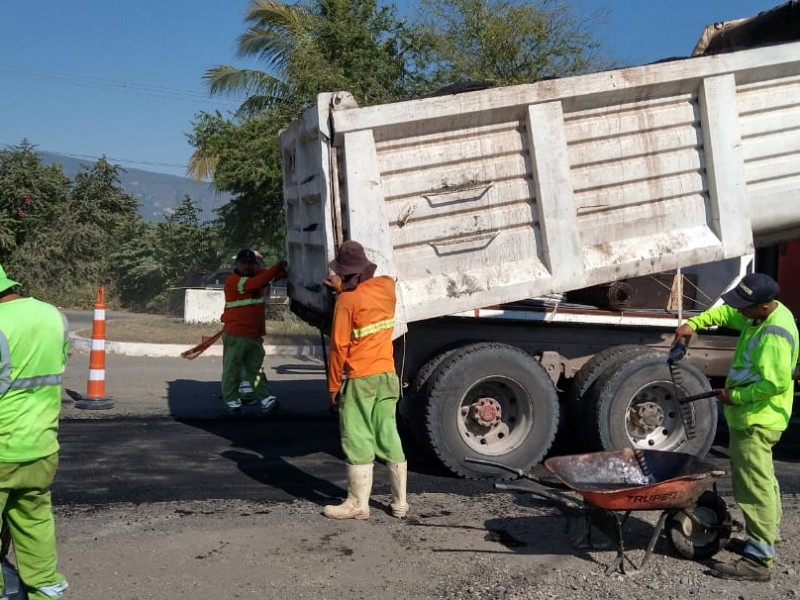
x=246, y=255
x=754, y=288
x=5, y=282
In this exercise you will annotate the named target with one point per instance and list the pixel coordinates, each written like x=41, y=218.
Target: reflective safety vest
x=361, y=334
x=33, y=352
x=760, y=378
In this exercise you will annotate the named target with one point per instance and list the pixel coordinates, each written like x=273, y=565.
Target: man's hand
x=723, y=395
x=333, y=399
x=334, y=282
x=682, y=334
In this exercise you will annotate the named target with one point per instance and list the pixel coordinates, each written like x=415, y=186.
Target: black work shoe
x=746, y=568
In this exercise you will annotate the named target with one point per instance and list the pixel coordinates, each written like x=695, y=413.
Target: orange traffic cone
x=95, y=398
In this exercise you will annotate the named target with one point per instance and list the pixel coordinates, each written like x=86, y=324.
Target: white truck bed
x=493, y=196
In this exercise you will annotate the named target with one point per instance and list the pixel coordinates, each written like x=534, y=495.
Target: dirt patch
x=157, y=329
x=484, y=547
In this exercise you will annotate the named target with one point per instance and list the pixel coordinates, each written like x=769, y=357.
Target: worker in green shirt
x=758, y=396
x=33, y=351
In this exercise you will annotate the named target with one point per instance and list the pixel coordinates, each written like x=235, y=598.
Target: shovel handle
x=703, y=396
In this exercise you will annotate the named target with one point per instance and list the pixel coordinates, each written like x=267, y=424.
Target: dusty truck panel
x=493, y=196
x=492, y=207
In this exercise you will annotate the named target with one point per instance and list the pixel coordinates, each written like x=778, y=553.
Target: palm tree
x=324, y=45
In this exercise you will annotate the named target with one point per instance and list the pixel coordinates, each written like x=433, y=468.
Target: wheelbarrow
x=611, y=485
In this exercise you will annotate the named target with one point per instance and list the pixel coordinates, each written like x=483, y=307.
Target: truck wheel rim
x=495, y=416
x=653, y=419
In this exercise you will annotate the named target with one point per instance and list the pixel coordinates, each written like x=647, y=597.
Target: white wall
x=203, y=305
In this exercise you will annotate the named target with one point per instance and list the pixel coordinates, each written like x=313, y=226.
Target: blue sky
x=124, y=79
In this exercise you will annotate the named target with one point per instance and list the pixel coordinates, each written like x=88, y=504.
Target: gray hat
x=351, y=260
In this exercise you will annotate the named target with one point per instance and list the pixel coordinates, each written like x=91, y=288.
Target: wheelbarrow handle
x=497, y=465
x=541, y=492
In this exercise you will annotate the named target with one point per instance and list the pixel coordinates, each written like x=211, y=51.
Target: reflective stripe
x=32, y=382
x=762, y=551
x=246, y=302
x=747, y=373
x=97, y=374
x=240, y=285
x=370, y=329
x=54, y=591
x=99, y=314
x=780, y=332
x=98, y=345
x=5, y=364
x=24, y=383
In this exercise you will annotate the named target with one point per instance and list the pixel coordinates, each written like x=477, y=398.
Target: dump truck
x=492, y=207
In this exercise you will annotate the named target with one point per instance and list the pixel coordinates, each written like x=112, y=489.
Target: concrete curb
x=82, y=344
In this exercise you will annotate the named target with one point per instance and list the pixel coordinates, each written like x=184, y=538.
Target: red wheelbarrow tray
x=615, y=480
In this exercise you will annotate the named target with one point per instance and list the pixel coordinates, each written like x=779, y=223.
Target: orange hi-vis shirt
x=245, y=309
x=361, y=335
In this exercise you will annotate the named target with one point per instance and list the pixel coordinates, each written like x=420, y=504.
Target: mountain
x=157, y=193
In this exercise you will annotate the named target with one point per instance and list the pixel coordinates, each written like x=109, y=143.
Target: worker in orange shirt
x=243, y=378
x=361, y=348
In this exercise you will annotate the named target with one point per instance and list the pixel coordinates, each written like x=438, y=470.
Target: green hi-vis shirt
x=760, y=378
x=33, y=352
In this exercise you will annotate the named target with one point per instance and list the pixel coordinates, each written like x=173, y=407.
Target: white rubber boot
x=359, y=487
x=398, y=476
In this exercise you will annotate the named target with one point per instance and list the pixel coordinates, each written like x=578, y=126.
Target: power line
x=120, y=160
x=117, y=86
x=108, y=158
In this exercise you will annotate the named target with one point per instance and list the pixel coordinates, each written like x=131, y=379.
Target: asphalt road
x=160, y=459
x=144, y=461
x=167, y=438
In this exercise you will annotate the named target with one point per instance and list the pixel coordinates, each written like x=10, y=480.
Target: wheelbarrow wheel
x=700, y=532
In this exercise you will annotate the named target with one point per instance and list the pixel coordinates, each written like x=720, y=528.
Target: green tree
x=249, y=167
x=307, y=48
x=506, y=41
x=31, y=194
x=95, y=215
x=316, y=46
x=153, y=260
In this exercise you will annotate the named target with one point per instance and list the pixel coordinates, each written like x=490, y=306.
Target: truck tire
x=634, y=405
x=579, y=416
x=411, y=410
x=490, y=401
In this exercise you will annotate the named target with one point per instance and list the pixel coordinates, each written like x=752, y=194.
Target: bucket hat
x=351, y=260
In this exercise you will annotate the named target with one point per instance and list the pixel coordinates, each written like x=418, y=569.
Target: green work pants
x=367, y=419
x=25, y=504
x=243, y=360
x=756, y=489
